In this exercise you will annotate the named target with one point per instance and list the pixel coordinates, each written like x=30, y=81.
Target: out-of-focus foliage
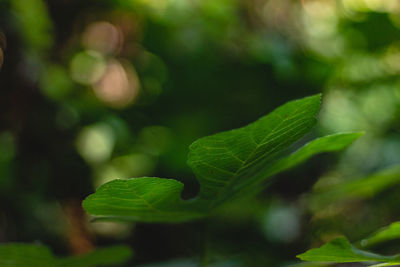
x=356, y=189
x=385, y=234
x=91, y=91
x=340, y=250
x=14, y=255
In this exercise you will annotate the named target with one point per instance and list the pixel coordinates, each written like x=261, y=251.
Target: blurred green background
x=92, y=91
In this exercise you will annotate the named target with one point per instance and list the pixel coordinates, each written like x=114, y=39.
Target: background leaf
x=30, y=255
x=360, y=188
x=26, y=255
x=340, y=250
x=100, y=257
x=388, y=233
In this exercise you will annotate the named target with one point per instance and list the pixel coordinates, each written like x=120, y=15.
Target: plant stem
x=204, y=254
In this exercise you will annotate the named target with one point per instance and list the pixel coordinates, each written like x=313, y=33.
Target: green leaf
x=26, y=255
x=386, y=264
x=30, y=255
x=141, y=199
x=100, y=257
x=340, y=250
x=361, y=188
x=223, y=162
x=309, y=264
x=327, y=143
x=227, y=165
x=388, y=233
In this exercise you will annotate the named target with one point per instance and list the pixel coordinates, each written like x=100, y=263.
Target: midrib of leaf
x=246, y=163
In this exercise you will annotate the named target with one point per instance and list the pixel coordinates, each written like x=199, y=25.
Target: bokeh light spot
x=281, y=223
x=102, y=37
x=87, y=67
x=95, y=143
x=119, y=85
x=129, y=166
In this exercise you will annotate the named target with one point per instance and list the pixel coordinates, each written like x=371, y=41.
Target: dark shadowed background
x=92, y=91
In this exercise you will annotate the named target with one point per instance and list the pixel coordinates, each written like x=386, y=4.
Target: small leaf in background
x=25, y=255
x=31, y=255
x=361, y=188
x=388, y=233
x=101, y=257
x=309, y=264
x=340, y=250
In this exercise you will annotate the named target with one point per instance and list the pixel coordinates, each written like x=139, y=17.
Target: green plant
x=228, y=165
x=340, y=250
x=31, y=255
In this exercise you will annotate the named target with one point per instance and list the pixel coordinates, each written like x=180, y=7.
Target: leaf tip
x=300, y=256
x=316, y=97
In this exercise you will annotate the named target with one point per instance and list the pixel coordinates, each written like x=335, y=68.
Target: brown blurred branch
x=78, y=235
x=3, y=46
